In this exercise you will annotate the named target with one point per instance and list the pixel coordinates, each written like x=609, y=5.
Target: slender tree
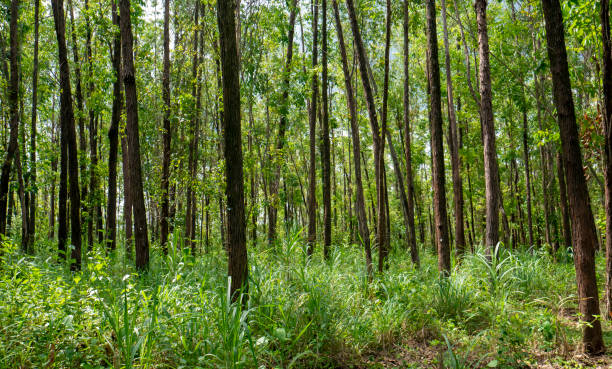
x=33, y=191
x=414, y=253
x=453, y=144
x=113, y=135
x=437, y=150
x=362, y=222
x=312, y=199
x=583, y=224
x=492, y=188
x=607, y=123
x=141, y=240
x=378, y=139
x=167, y=133
x=69, y=141
x=13, y=98
x=325, y=155
x=230, y=66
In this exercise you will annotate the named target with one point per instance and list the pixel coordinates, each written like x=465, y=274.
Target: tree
x=141, y=240
x=378, y=139
x=492, y=189
x=113, y=136
x=607, y=123
x=68, y=143
x=362, y=222
x=234, y=189
x=312, y=170
x=453, y=143
x=407, y=141
x=32, y=213
x=325, y=155
x=13, y=97
x=167, y=133
x=583, y=225
x=437, y=150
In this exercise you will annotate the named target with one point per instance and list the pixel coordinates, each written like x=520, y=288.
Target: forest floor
x=517, y=312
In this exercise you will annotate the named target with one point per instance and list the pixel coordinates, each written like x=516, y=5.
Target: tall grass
x=301, y=312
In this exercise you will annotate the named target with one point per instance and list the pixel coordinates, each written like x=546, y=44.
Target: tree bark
x=13, y=97
x=607, y=123
x=34, y=190
x=325, y=155
x=414, y=253
x=230, y=64
x=437, y=150
x=454, y=146
x=113, y=138
x=583, y=224
x=167, y=133
x=69, y=136
x=492, y=189
x=141, y=240
x=312, y=200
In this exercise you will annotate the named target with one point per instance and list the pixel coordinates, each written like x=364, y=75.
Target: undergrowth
x=301, y=313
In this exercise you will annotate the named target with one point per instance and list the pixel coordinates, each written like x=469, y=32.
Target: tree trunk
x=193, y=132
x=69, y=136
x=237, y=263
x=437, y=150
x=34, y=191
x=79, y=101
x=607, y=123
x=325, y=155
x=113, y=138
x=282, y=128
x=492, y=189
x=13, y=97
x=167, y=133
x=414, y=253
x=567, y=230
x=312, y=200
x=583, y=224
x=454, y=146
x=376, y=132
x=362, y=223
x=141, y=240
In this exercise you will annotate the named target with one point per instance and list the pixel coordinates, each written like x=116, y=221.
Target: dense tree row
x=228, y=115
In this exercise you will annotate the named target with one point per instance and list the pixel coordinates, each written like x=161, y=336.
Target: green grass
x=300, y=314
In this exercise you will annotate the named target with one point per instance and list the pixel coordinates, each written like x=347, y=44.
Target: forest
x=305, y=184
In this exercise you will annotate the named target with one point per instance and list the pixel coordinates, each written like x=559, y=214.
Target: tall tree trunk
x=492, y=188
x=378, y=139
x=325, y=155
x=607, y=123
x=69, y=134
x=282, y=128
x=127, y=198
x=454, y=145
x=79, y=101
x=93, y=136
x=13, y=97
x=583, y=224
x=414, y=253
x=437, y=150
x=141, y=240
x=312, y=199
x=167, y=133
x=567, y=230
x=113, y=138
x=362, y=223
x=237, y=263
x=193, y=131
x=34, y=191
